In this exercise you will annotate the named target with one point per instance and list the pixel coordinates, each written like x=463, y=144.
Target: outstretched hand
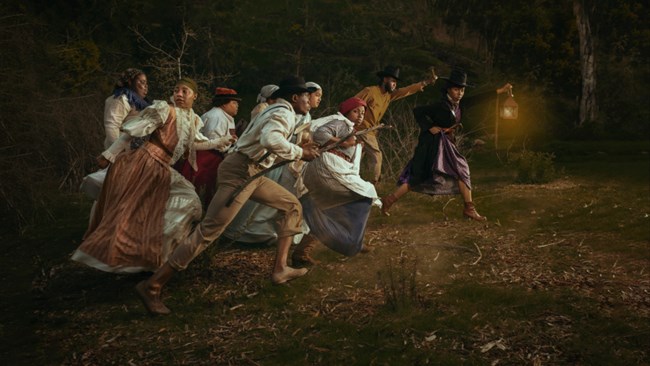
x=351, y=141
x=432, y=77
x=505, y=88
x=102, y=162
x=309, y=151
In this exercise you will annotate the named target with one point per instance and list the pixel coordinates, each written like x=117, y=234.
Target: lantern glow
x=510, y=108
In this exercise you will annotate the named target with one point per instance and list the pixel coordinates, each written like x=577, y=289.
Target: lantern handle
x=510, y=92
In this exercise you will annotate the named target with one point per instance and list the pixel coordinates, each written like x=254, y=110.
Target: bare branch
x=169, y=60
x=145, y=40
x=480, y=255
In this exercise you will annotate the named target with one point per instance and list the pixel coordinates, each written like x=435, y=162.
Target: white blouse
x=217, y=125
x=115, y=112
x=188, y=126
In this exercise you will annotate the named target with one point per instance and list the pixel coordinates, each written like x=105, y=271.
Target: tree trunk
x=588, y=106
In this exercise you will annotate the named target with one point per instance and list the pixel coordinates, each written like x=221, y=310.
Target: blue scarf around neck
x=133, y=98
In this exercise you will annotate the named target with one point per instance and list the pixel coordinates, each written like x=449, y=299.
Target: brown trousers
x=373, y=155
x=233, y=171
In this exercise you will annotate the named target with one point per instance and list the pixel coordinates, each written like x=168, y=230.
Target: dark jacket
x=438, y=114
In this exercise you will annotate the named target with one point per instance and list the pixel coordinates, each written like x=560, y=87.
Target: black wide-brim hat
x=458, y=77
x=392, y=71
x=291, y=85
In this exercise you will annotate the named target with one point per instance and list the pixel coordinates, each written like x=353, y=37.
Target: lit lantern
x=509, y=109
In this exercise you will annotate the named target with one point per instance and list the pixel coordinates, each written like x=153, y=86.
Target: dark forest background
x=59, y=60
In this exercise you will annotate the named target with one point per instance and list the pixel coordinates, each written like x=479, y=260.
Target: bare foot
x=151, y=299
x=287, y=274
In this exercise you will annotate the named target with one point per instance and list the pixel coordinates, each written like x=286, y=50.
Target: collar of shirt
x=453, y=104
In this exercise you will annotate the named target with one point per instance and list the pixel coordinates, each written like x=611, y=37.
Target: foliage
x=62, y=58
x=48, y=135
x=79, y=61
x=534, y=167
x=399, y=284
x=398, y=142
x=622, y=28
x=623, y=99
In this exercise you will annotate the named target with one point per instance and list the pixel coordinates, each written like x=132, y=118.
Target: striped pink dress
x=145, y=207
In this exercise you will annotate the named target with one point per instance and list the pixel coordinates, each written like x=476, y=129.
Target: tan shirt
x=271, y=131
x=378, y=102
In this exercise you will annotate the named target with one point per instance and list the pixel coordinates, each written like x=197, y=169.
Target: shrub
x=399, y=284
x=49, y=135
x=534, y=167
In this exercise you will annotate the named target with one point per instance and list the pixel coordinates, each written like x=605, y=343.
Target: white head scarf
x=312, y=85
x=266, y=92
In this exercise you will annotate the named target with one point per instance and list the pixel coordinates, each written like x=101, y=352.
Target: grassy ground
x=559, y=275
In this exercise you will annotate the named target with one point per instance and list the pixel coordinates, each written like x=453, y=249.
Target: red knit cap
x=226, y=93
x=350, y=104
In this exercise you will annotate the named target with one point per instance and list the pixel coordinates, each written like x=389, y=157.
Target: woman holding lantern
x=437, y=167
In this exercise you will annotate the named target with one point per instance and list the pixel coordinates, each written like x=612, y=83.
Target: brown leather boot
x=471, y=213
x=386, y=203
x=301, y=254
x=149, y=290
x=365, y=249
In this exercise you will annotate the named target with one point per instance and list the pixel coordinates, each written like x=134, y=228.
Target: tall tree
x=588, y=105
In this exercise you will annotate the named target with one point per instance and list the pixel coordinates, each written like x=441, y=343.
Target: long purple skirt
x=448, y=168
